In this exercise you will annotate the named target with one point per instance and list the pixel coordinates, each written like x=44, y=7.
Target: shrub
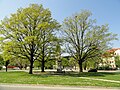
x=107, y=67
x=92, y=70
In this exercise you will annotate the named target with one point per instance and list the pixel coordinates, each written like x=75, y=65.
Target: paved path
x=33, y=87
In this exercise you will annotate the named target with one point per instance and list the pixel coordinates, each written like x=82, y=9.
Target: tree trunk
x=6, y=68
x=31, y=61
x=25, y=66
x=20, y=67
x=6, y=64
x=43, y=58
x=31, y=67
x=75, y=67
x=59, y=68
x=43, y=65
x=80, y=66
x=85, y=66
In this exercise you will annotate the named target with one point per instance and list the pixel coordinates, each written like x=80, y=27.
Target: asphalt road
x=32, y=87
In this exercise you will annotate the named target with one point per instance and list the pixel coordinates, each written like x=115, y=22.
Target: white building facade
x=109, y=59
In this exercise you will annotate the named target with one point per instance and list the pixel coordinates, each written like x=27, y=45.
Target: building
x=109, y=58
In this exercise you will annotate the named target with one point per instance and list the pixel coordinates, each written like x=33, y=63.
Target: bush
x=105, y=68
x=92, y=70
x=99, y=68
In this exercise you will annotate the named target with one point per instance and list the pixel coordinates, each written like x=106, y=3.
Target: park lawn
x=102, y=75
x=69, y=79
x=110, y=76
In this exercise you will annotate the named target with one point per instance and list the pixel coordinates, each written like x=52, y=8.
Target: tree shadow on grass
x=75, y=74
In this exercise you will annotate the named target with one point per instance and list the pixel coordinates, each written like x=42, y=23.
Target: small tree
x=7, y=57
x=73, y=62
x=20, y=62
x=117, y=61
x=65, y=62
x=57, y=54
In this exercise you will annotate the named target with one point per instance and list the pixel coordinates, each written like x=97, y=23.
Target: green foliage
x=72, y=62
x=117, y=61
x=107, y=67
x=49, y=64
x=85, y=39
x=1, y=60
x=28, y=33
x=57, y=51
x=65, y=62
x=37, y=64
x=19, y=62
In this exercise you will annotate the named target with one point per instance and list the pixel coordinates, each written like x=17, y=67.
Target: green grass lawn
x=110, y=76
x=67, y=79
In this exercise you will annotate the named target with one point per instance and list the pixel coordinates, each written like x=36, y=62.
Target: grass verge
x=67, y=79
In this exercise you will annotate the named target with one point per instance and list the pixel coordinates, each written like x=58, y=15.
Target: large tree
x=29, y=31
x=85, y=39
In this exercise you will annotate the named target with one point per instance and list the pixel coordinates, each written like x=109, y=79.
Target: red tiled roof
x=113, y=50
x=110, y=52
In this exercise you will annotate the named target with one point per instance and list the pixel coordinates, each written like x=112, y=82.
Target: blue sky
x=104, y=11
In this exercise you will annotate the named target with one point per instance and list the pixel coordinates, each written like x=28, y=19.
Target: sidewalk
x=43, y=87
